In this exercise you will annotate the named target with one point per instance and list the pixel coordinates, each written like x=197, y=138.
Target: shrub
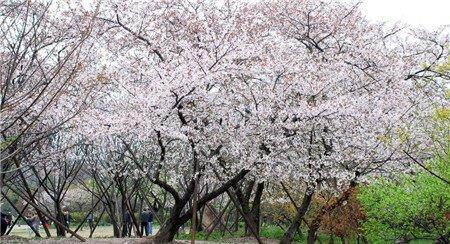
x=413, y=207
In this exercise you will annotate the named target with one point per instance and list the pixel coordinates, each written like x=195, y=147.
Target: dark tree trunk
x=60, y=217
x=167, y=233
x=126, y=204
x=313, y=228
x=315, y=224
x=116, y=230
x=255, y=211
x=311, y=236
x=243, y=197
x=171, y=226
x=178, y=217
x=290, y=233
x=31, y=196
x=110, y=209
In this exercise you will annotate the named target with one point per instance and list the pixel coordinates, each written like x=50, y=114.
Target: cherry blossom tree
x=182, y=108
x=349, y=95
x=205, y=94
x=43, y=54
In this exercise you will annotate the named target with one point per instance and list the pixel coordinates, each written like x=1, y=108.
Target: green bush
x=270, y=231
x=412, y=207
x=77, y=217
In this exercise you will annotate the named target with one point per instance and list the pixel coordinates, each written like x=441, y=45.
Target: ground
x=17, y=239
x=100, y=232
x=102, y=235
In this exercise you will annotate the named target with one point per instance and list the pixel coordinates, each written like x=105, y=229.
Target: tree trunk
x=315, y=224
x=31, y=196
x=177, y=218
x=290, y=233
x=243, y=194
x=110, y=209
x=255, y=211
x=60, y=217
x=312, y=232
x=167, y=233
x=170, y=228
x=236, y=220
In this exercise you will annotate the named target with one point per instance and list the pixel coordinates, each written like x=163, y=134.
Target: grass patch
x=214, y=236
x=267, y=231
x=276, y=232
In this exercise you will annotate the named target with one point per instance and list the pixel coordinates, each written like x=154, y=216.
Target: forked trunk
x=290, y=233
x=255, y=211
x=167, y=232
x=312, y=233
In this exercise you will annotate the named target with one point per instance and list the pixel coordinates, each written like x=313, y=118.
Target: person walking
x=144, y=216
x=150, y=218
x=67, y=218
x=90, y=220
x=127, y=224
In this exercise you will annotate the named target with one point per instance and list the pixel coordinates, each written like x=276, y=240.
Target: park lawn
x=270, y=233
x=100, y=232
x=267, y=232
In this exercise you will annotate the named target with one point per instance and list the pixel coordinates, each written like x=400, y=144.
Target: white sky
x=420, y=13
x=424, y=13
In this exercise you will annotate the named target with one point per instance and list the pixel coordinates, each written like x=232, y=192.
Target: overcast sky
x=425, y=13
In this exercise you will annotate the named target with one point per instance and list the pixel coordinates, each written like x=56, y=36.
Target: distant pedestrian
x=127, y=224
x=67, y=218
x=90, y=220
x=144, y=216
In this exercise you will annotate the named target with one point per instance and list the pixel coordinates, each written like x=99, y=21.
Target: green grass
x=215, y=236
x=267, y=231
x=274, y=233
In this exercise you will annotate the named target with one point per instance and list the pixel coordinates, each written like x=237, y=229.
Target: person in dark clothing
x=144, y=221
x=90, y=220
x=127, y=224
x=67, y=218
x=5, y=222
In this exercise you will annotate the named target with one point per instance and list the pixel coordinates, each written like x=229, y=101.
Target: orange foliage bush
x=344, y=220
